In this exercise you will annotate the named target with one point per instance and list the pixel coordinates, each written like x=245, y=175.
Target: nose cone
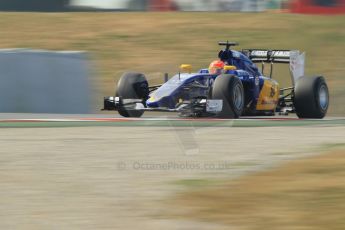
x=152, y=102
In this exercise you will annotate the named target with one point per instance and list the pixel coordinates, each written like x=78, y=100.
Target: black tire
x=229, y=88
x=311, y=97
x=132, y=86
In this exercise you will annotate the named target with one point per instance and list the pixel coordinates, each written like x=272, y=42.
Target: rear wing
x=292, y=57
x=275, y=56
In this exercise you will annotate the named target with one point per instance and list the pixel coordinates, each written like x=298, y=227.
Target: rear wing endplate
x=293, y=57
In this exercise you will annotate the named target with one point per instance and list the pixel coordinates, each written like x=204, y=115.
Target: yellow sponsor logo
x=269, y=96
x=271, y=102
x=152, y=99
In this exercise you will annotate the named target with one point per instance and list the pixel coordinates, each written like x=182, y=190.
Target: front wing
x=195, y=107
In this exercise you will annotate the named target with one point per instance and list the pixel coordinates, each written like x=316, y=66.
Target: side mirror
x=186, y=68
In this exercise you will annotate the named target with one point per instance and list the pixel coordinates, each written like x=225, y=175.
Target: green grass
x=303, y=194
x=195, y=183
x=155, y=43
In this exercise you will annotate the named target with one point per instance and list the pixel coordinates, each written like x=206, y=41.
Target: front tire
x=311, y=97
x=229, y=88
x=132, y=86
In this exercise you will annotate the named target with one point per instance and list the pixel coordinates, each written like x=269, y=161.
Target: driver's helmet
x=216, y=67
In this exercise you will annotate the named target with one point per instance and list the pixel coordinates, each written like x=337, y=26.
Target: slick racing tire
x=229, y=88
x=132, y=86
x=311, y=97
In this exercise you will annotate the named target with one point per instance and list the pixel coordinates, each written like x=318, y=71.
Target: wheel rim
x=323, y=97
x=238, y=99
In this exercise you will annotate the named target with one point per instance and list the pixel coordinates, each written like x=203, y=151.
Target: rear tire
x=311, y=97
x=229, y=88
x=132, y=86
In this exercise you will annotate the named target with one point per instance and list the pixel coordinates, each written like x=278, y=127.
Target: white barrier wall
x=37, y=81
x=183, y=5
x=222, y=5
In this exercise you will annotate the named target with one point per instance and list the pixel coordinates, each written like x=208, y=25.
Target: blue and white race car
x=231, y=87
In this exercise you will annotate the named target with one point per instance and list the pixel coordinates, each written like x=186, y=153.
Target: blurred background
x=310, y=6
x=120, y=35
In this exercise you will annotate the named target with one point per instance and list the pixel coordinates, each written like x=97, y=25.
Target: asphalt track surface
x=105, y=172
x=8, y=120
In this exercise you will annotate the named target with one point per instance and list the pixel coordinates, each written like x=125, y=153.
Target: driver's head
x=216, y=67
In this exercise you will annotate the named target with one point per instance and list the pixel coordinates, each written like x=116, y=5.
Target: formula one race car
x=233, y=86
